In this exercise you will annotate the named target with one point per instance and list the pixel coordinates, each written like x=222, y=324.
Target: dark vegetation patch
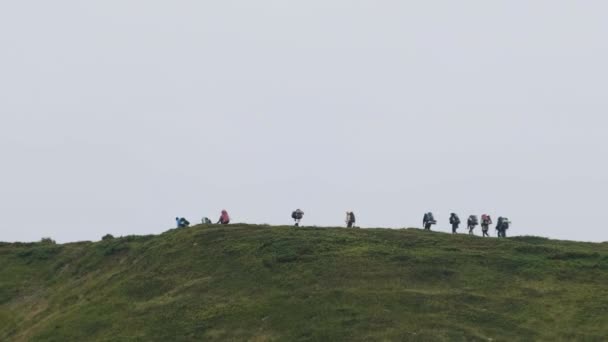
x=142, y=288
x=111, y=247
x=574, y=255
x=531, y=239
x=535, y=249
x=39, y=253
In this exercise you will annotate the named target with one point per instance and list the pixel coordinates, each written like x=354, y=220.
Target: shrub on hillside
x=107, y=237
x=45, y=252
x=113, y=246
x=48, y=241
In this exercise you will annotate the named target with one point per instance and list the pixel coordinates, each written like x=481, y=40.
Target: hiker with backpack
x=182, y=222
x=428, y=220
x=455, y=222
x=297, y=216
x=472, y=222
x=350, y=219
x=501, y=226
x=486, y=221
x=224, y=218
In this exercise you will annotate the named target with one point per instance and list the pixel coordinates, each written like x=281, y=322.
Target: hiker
x=472, y=222
x=297, y=216
x=350, y=219
x=206, y=220
x=428, y=220
x=182, y=222
x=224, y=218
x=501, y=226
x=455, y=222
x=486, y=221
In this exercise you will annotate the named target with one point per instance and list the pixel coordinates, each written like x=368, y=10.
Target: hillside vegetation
x=262, y=283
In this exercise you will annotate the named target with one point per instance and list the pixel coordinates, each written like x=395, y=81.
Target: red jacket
x=224, y=218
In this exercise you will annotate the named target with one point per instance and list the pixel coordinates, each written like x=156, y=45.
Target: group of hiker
x=502, y=225
x=183, y=223
x=298, y=214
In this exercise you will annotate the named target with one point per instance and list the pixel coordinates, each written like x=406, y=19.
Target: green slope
x=279, y=283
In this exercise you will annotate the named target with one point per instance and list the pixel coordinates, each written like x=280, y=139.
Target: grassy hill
x=263, y=283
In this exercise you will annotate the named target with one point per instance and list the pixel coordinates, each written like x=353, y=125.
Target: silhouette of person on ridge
x=455, y=222
x=182, y=222
x=350, y=219
x=486, y=221
x=501, y=226
x=297, y=216
x=224, y=218
x=428, y=220
x=472, y=222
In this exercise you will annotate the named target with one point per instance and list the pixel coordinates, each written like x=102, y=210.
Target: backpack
x=352, y=217
x=454, y=219
x=473, y=220
x=183, y=222
x=224, y=217
x=429, y=218
x=486, y=220
x=206, y=220
x=297, y=215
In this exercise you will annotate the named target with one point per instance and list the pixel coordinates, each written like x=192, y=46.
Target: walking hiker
x=501, y=226
x=182, y=222
x=455, y=222
x=472, y=222
x=297, y=216
x=486, y=221
x=224, y=217
x=350, y=219
x=428, y=220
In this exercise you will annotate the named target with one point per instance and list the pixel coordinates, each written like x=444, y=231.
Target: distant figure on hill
x=455, y=222
x=182, y=222
x=297, y=216
x=224, y=218
x=206, y=220
x=472, y=222
x=350, y=219
x=428, y=220
x=486, y=221
x=501, y=226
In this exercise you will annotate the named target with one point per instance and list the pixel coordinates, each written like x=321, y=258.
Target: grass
x=262, y=283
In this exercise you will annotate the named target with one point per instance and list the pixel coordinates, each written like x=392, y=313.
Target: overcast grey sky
x=117, y=116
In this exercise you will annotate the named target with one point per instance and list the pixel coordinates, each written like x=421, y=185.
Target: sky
x=116, y=116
